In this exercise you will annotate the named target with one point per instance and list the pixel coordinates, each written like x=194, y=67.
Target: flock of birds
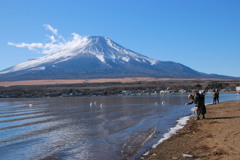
x=91, y=104
x=95, y=104
x=162, y=103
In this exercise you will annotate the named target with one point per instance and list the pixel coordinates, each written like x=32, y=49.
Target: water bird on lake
x=91, y=104
x=30, y=105
x=163, y=102
x=101, y=105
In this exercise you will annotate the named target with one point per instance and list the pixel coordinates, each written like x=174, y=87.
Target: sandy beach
x=215, y=138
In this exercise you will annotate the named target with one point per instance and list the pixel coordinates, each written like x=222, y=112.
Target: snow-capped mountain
x=102, y=48
x=96, y=57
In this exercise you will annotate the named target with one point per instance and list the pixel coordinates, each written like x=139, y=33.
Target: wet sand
x=215, y=138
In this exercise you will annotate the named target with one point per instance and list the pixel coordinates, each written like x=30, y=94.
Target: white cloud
x=30, y=46
x=50, y=28
x=57, y=43
x=64, y=45
x=52, y=38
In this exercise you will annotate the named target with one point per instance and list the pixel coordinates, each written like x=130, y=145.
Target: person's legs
x=195, y=111
x=198, y=114
x=214, y=100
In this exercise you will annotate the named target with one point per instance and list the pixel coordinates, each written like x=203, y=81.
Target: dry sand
x=215, y=138
x=80, y=81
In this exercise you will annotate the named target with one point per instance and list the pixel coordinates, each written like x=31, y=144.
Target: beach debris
x=175, y=158
x=146, y=153
x=136, y=141
x=154, y=154
x=187, y=155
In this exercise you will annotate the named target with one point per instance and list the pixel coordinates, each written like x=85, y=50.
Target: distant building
x=238, y=89
x=182, y=91
x=164, y=92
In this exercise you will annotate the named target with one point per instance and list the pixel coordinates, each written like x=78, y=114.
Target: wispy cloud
x=50, y=28
x=30, y=46
x=52, y=38
x=57, y=43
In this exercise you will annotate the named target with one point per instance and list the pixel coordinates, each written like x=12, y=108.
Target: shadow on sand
x=223, y=117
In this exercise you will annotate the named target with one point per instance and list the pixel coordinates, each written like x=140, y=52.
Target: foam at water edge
x=172, y=131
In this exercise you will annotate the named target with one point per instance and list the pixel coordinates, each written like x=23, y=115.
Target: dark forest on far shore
x=118, y=88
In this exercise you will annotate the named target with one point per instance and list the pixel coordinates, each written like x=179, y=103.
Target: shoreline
x=110, y=87
x=214, y=138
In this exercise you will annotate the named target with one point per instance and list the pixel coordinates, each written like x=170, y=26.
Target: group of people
x=199, y=99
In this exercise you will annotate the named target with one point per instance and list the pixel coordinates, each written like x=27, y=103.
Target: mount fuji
x=97, y=57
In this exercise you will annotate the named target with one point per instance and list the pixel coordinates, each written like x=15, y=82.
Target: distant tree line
x=115, y=88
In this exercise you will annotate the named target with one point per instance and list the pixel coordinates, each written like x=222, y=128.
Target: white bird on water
x=91, y=104
x=101, y=105
x=30, y=105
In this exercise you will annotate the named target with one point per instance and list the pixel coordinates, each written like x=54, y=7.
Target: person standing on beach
x=203, y=93
x=215, y=96
x=200, y=106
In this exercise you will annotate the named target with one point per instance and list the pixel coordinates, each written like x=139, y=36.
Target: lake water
x=88, y=128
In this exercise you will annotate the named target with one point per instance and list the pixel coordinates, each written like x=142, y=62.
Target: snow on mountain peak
x=101, y=47
x=104, y=48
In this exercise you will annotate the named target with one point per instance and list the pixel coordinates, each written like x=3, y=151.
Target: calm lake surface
x=88, y=128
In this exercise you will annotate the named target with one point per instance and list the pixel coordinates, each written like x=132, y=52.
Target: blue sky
x=201, y=34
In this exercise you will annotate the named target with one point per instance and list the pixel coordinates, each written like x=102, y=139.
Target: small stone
x=187, y=155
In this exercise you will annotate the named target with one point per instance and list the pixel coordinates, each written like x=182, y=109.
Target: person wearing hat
x=200, y=106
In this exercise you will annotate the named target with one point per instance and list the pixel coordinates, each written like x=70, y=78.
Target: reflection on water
x=88, y=127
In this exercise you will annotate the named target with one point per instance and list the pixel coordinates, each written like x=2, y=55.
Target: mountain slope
x=96, y=57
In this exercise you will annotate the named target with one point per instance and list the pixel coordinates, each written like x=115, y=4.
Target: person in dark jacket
x=200, y=106
x=203, y=96
x=215, y=96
